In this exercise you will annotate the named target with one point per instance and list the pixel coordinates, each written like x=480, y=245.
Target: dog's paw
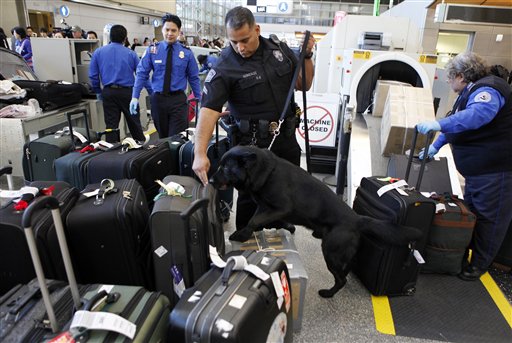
x=240, y=235
x=326, y=293
x=289, y=227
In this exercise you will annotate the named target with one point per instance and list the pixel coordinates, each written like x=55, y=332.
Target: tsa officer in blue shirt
x=207, y=62
x=479, y=130
x=172, y=65
x=114, y=66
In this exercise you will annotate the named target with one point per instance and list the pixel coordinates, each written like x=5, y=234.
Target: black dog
x=284, y=191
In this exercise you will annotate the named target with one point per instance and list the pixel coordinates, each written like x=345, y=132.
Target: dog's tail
x=391, y=233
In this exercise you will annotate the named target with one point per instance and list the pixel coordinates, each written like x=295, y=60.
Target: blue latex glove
x=431, y=152
x=428, y=126
x=99, y=96
x=134, y=104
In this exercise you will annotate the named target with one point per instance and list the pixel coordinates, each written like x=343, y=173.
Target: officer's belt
x=263, y=128
x=117, y=86
x=169, y=93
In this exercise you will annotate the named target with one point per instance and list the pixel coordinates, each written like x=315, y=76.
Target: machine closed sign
x=322, y=112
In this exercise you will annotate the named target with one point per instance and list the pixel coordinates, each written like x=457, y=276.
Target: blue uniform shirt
x=481, y=108
x=114, y=64
x=211, y=61
x=184, y=68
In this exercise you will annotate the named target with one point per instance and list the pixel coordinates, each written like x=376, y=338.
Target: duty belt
x=264, y=129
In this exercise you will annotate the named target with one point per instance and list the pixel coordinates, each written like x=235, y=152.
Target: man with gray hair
x=479, y=129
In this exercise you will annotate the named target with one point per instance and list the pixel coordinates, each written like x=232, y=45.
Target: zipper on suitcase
x=153, y=298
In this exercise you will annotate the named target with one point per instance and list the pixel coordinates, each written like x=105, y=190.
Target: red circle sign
x=319, y=125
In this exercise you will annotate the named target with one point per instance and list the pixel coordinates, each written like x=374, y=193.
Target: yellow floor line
x=499, y=298
x=383, y=317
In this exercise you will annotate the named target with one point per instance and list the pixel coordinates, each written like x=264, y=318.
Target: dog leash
x=300, y=63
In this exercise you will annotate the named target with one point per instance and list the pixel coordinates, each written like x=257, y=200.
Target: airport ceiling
x=501, y=3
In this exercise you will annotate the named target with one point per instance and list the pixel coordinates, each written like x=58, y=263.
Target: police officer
x=114, y=66
x=479, y=129
x=253, y=75
x=172, y=65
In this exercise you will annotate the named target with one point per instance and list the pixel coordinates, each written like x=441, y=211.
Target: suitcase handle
x=430, y=135
x=53, y=204
x=70, y=124
x=7, y=170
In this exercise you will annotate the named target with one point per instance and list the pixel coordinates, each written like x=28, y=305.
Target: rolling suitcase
x=385, y=269
x=40, y=154
x=217, y=147
x=73, y=168
x=107, y=234
x=140, y=315
x=15, y=263
x=228, y=305
x=147, y=164
x=52, y=94
x=181, y=234
x=449, y=236
x=175, y=143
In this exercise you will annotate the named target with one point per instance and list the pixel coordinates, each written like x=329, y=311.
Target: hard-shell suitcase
x=15, y=263
x=40, y=154
x=107, y=234
x=140, y=315
x=236, y=306
x=385, y=269
x=147, y=164
x=52, y=94
x=449, y=236
x=217, y=147
x=181, y=234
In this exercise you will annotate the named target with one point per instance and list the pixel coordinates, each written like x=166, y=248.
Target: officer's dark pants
x=489, y=197
x=284, y=147
x=169, y=113
x=115, y=101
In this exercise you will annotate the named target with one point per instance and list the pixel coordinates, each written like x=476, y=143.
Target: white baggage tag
x=418, y=256
x=440, y=208
x=19, y=193
x=103, y=321
x=391, y=186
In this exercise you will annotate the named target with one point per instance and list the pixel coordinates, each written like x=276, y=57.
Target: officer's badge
x=182, y=54
x=278, y=55
x=210, y=76
x=152, y=49
x=483, y=97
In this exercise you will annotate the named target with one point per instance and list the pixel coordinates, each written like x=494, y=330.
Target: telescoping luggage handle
x=430, y=135
x=53, y=204
x=7, y=171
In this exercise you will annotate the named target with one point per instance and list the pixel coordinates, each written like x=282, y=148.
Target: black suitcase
x=236, y=306
x=52, y=94
x=385, y=269
x=175, y=143
x=216, y=149
x=180, y=234
x=436, y=176
x=141, y=315
x=107, y=234
x=15, y=263
x=73, y=168
x=147, y=164
x=40, y=154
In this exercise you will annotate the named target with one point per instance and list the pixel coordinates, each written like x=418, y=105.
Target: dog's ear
x=247, y=159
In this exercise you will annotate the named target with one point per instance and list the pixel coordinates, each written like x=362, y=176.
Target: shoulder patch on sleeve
x=482, y=97
x=210, y=76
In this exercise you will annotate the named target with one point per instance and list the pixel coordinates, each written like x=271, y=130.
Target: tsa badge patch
x=278, y=55
x=210, y=76
x=482, y=97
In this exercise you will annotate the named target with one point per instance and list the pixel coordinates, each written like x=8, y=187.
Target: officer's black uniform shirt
x=256, y=87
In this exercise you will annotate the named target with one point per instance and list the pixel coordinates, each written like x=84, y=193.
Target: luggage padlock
x=106, y=186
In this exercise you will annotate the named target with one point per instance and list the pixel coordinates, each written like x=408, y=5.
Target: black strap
x=295, y=75
x=305, y=110
x=168, y=70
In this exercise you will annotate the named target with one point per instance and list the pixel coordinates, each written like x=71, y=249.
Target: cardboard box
x=405, y=107
x=280, y=243
x=381, y=94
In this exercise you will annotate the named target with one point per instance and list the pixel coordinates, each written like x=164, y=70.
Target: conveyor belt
x=446, y=308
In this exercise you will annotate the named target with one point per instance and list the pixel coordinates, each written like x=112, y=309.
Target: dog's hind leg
x=340, y=279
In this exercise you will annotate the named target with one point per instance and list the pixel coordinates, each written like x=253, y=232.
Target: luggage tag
x=177, y=280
